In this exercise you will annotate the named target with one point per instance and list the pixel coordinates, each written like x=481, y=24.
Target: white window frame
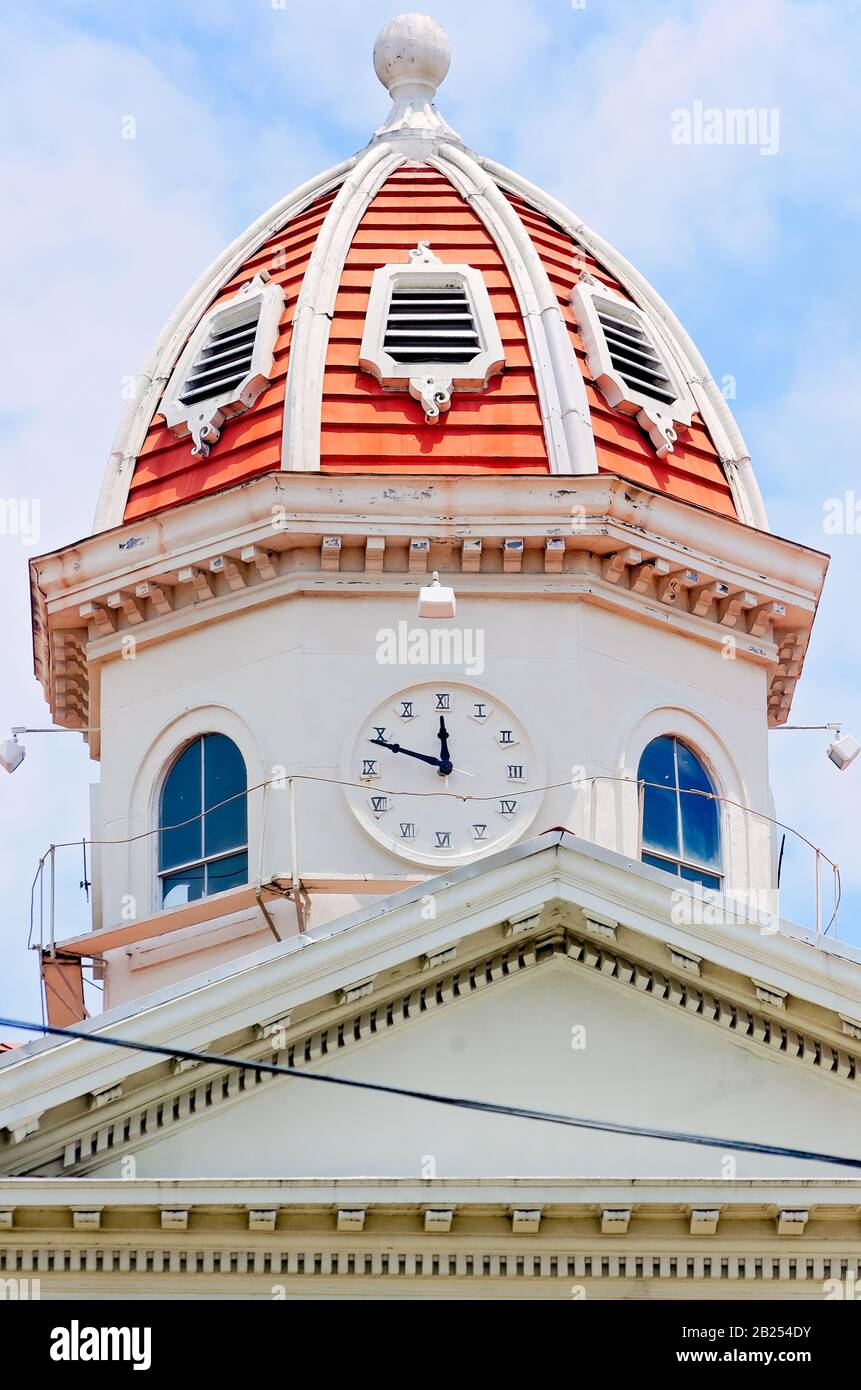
x=430, y=382
x=203, y=419
x=657, y=418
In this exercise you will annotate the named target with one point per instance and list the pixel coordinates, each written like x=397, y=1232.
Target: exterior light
x=12, y=753
x=436, y=600
x=843, y=748
x=843, y=751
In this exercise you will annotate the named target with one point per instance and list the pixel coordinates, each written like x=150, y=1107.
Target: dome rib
x=734, y=454
x=315, y=307
x=137, y=416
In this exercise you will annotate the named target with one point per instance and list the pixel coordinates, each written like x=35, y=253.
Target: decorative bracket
x=434, y=395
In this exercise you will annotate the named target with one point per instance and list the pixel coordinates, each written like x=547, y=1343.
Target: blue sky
x=237, y=101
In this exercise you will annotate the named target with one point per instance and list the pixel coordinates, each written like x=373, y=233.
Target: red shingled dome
x=324, y=412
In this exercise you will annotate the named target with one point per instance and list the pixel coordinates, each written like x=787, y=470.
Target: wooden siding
x=166, y=471
x=368, y=430
x=693, y=471
x=365, y=429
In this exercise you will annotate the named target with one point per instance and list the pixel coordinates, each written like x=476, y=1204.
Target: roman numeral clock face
x=443, y=771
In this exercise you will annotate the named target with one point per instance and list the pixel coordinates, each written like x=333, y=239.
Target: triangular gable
x=318, y=1001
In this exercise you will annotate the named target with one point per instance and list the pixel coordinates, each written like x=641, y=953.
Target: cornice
x=592, y=538
x=345, y=1233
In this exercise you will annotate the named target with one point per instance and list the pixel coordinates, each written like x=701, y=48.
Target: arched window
x=203, y=842
x=681, y=829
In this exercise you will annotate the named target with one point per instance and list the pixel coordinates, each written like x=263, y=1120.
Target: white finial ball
x=412, y=49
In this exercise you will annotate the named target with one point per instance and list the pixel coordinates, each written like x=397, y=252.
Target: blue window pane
x=666, y=864
x=692, y=774
x=183, y=887
x=698, y=876
x=224, y=776
x=660, y=820
x=657, y=764
x=229, y=872
x=700, y=830
x=700, y=824
x=180, y=802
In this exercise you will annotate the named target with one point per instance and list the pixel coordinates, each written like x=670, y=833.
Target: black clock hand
x=445, y=756
x=443, y=767
x=443, y=741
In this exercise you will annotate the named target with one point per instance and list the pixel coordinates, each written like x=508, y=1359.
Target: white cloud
x=600, y=131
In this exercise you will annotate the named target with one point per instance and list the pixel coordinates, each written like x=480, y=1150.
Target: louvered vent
x=431, y=324
x=634, y=357
x=225, y=358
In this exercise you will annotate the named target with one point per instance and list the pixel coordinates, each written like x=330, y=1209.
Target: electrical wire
x=436, y=1098
x=458, y=796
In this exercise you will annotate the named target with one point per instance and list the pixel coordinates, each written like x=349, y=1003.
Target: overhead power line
x=484, y=1107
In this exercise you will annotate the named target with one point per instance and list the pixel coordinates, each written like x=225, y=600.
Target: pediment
x=551, y=1034
x=557, y=1019
x=681, y=1031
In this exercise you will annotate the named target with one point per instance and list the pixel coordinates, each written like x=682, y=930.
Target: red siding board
x=166, y=471
x=693, y=472
x=367, y=430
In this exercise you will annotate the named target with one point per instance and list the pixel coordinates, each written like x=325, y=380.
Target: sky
x=137, y=140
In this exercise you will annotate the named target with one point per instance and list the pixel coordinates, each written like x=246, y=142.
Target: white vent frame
x=658, y=418
x=203, y=419
x=431, y=382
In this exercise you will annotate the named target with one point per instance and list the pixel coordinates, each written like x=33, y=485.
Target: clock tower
x=428, y=638
x=417, y=362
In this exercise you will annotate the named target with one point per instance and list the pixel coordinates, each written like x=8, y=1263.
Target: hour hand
x=443, y=766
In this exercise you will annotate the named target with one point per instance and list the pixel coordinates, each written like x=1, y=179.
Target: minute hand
x=409, y=752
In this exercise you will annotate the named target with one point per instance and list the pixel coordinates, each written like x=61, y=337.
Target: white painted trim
x=710, y=402
x=138, y=413
x=430, y=381
x=186, y=535
x=257, y=300
x=561, y=389
x=315, y=306
x=747, y=1197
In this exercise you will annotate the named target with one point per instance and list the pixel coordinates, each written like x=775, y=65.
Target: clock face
x=426, y=747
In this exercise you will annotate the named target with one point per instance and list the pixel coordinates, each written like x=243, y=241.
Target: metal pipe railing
x=47, y=865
